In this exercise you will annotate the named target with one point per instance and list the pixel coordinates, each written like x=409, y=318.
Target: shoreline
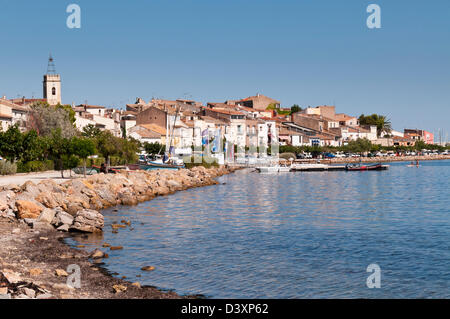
x=33, y=255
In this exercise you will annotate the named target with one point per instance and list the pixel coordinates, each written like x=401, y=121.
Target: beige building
x=5, y=117
x=19, y=113
x=258, y=102
x=323, y=110
x=52, y=88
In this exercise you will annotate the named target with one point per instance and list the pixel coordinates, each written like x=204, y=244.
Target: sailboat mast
x=173, y=127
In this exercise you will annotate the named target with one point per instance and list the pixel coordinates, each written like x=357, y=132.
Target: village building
x=19, y=114
x=237, y=125
x=148, y=133
x=258, y=102
x=420, y=135
x=5, y=116
x=98, y=116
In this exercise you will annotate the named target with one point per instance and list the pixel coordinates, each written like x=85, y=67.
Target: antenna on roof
x=51, y=69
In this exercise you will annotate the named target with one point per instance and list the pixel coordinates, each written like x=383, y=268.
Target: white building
x=353, y=133
x=145, y=134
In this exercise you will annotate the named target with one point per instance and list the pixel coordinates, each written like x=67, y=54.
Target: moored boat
x=154, y=165
x=360, y=167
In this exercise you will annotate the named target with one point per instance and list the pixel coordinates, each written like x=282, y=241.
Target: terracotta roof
x=143, y=132
x=256, y=97
x=316, y=117
x=23, y=101
x=286, y=131
x=405, y=139
x=91, y=106
x=5, y=116
x=226, y=111
x=322, y=137
x=213, y=120
x=155, y=128
x=14, y=106
x=343, y=117
x=248, y=109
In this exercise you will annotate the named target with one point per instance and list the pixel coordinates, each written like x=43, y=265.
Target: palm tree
x=382, y=123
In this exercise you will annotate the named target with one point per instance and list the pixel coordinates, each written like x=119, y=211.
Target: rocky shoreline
x=35, y=218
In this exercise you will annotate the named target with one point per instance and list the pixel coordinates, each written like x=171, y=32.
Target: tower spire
x=51, y=69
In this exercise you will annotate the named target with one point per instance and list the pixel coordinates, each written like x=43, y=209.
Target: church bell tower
x=52, y=84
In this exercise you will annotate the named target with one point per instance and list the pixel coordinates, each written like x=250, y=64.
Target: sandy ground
x=20, y=179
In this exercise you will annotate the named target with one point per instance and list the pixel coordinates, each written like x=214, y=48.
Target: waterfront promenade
x=19, y=179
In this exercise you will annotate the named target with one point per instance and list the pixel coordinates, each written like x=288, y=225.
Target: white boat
x=274, y=169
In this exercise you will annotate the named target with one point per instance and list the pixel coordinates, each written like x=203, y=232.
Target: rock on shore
x=74, y=205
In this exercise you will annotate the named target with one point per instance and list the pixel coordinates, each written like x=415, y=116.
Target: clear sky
x=297, y=51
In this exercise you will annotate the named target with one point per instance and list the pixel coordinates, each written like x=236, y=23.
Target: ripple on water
x=298, y=235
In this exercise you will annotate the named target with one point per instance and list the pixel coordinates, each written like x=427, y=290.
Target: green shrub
x=116, y=161
x=7, y=168
x=35, y=166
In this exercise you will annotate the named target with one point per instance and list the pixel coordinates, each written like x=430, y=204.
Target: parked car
x=328, y=155
x=391, y=154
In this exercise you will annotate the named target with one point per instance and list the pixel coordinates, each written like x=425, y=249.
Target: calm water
x=294, y=235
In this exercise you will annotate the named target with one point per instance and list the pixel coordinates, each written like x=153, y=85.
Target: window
x=53, y=91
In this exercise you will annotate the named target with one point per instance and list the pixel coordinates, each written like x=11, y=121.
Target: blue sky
x=304, y=52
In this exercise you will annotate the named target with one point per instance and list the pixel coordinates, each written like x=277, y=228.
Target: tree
x=90, y=131
x=82, y=147
x=59, y=150
x=11, y=143
x=295, y=108
x=380, y=121
x=69, y=110
x=361, y=145
x=45, y=118
x=32, y=146
x=107, y=144
x=129, y=147
x=420, y=145
x=154, y=148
